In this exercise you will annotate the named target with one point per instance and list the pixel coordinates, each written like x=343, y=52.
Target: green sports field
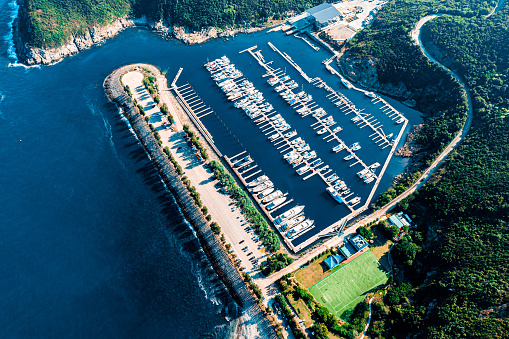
x=344, y=289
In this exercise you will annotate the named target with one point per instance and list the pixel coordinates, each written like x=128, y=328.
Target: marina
x=300, y=121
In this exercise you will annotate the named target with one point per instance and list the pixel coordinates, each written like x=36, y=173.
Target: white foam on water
x=2, y=97
x=11, y=50
x=208, y=291
x=9, y=39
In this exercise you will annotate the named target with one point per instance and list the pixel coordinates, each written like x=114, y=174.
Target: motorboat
x=296, y=141
x=272, y=196
x=331, y=177
x=363, y=172
x=289, y=224
x=337, y=129
x=321, y=131
x=303, y=226
x=346, y=83
x=370, y=94
x=356, y=148
x=242, y=161
x=284, y=128
x=275, y=203
x=309, y=155
x=274, y=137
x=258, y=181
x=291, y=134
x=294, y=211
x=332, y=192
x=375, y=165
x=303, y=170
x=349, y=157
x=370, y=179
x=400, y=120
x=263, y=186
x=324, y=168
x=289, y=154
x=303, y=148
x=338, y=148
x=266, y=192
x=354, y=201
x=316, y=162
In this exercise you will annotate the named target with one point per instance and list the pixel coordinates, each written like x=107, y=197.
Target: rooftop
x=334, y=260
x=347, y=251
x=324, y=12
x=358, y=242
x=395, y=221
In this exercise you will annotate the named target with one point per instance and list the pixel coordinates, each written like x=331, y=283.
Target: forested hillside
x=52, y=22
x=456, y=262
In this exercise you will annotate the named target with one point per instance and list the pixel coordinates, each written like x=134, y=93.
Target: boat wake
x=92, y=107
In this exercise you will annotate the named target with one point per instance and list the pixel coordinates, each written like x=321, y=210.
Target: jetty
x=212, y=246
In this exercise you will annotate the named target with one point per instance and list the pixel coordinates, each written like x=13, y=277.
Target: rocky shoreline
x=253, y=315
x=97, y=34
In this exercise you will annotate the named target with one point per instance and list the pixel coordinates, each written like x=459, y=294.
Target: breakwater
x=210, y=244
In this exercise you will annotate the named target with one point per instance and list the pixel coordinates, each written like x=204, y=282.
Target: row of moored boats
x=245, y=96
x=291, y=223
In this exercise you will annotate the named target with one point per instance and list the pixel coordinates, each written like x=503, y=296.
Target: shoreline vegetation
x=240, y=284
x=43, y=33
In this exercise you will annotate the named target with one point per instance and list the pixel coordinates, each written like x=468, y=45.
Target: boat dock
x=261, y=207
x=284, y=138
x=287, y=146
x=316, y=48
x=189, y=100
x=287, y=58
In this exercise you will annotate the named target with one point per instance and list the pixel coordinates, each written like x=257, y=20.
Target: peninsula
x=427, y=258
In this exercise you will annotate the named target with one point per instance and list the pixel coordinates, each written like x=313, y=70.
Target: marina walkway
x=345, y=105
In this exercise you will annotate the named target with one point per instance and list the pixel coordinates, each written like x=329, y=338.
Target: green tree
x=365, y=232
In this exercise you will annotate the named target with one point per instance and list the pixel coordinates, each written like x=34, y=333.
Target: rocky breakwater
x=33, y=55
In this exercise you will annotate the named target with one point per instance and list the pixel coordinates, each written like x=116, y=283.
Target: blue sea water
x=91, y=242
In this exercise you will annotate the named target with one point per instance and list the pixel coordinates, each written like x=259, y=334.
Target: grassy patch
x=341, y=291
x=381, y=246
x=301, y=309
x=313, y=273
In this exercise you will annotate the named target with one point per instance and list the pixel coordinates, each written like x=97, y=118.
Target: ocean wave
x=204, y=280
x=2, y=97
x=11, y=50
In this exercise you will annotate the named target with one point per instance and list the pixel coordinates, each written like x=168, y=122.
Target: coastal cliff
x=364, y=72
x=96, y=34
x=33, y=55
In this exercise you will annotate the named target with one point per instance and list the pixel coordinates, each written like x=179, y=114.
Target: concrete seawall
x=210, y=244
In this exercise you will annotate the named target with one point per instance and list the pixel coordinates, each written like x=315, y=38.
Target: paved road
x=497, y=8
x=220, y=206
x=416, y=34
x=369, y=320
